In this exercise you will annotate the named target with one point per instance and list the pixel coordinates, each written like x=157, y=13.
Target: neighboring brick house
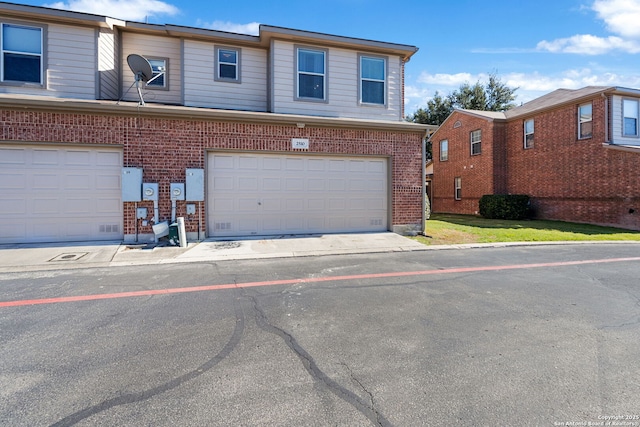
x=575, y=152
x=287, y=132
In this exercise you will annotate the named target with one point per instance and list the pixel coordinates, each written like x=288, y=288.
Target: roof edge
x=64, y=105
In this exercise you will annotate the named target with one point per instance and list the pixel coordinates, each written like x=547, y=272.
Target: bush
x=505, y=206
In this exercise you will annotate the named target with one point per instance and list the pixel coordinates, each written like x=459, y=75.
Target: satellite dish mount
x=142, y=72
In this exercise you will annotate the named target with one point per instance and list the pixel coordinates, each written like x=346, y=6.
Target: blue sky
x=535, y=45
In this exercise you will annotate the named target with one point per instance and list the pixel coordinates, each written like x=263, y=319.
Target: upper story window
x=585, y=121
x=528, y=133
x=227, y=64
x=22, y=53
x=630, y=117
x=444, y=150
x=476, y=142
x=373, y=73
x=160, y=70
x=457, y=188
x=311, y=74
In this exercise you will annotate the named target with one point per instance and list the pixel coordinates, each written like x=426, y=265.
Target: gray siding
x=70, y=54
x=616, y=123
x=342, y=86
x=108, y=48
x=153, y=47
x=201, y=90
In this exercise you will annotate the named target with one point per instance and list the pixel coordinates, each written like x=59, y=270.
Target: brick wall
x=476, y=172
x=574, y=179
x=164, y=148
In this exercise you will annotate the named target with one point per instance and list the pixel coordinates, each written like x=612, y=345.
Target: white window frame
x=476, y=141
x=457, y=188
x=529, y=133
x=444, y=152
x=41, y=55
x=155, y=83
x=219, y=63
x=362, y=79
x=324, y=74
x=583, y=119
x=635, y=115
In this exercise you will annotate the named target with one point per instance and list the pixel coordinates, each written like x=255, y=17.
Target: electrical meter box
x=131, y=184
x=177, y=191
x=195, y=185
x=150, y=191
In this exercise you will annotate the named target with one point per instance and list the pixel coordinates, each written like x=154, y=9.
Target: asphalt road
x=520, y=336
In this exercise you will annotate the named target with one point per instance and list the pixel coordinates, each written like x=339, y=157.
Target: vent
x=377, y=221
x=223, y=226
x=109, y=228
x=457, y=124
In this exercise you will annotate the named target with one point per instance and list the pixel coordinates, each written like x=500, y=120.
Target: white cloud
x=586, y=44
x=129, y=10
x=252, y=28
x=620, y=16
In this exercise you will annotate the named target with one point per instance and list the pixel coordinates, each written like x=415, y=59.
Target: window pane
x=310, y=61
x=630, y=126
x=311, y=86
x=528, y=126
x=585, y=113
x=585, y=130
x=228, y=56
x=372, y=68
x=227, y=71
x=21, y=39
x=158, y=66
x=21, y=68
x=373, y=92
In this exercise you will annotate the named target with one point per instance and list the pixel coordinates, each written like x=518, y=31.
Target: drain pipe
x=423, y=227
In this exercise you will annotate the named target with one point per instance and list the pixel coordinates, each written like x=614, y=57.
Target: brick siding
x=164, y=148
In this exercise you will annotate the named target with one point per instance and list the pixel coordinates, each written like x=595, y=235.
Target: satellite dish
x=142, y=71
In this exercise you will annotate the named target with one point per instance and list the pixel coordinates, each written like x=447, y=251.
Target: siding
x=70, y=60
x=616, y=123
x=153, y=47
x=201, y=90
x=108, y=48
x=342, y=86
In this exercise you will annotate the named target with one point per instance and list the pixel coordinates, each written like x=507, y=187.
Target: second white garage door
x=271, y=194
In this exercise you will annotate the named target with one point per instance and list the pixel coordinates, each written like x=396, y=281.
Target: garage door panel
x=60, y=194
x=294, y=194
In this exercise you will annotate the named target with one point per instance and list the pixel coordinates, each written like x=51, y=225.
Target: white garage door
x=56, y=194
x=263, y=194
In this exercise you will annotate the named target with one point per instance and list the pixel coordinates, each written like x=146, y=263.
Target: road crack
x=310, y=365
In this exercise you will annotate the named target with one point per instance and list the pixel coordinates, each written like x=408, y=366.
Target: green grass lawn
x=446, y=229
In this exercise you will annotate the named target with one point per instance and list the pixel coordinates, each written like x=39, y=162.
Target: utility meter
x=177, y=191
x=150, y=191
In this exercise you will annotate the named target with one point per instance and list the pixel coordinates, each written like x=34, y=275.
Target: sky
x=536, y=46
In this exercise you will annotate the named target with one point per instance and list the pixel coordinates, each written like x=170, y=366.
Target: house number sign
x=300, y=143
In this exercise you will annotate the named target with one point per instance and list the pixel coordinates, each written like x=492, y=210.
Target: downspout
x=424, y=181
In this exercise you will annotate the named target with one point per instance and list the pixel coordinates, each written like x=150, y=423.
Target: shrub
x=505, y=206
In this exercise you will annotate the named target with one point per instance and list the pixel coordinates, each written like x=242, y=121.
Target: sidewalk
x=56, y=256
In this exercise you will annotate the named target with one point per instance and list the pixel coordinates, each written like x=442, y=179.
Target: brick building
x=287, y=132
x=575, y=152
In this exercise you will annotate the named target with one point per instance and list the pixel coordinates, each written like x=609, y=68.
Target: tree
x=492, y=96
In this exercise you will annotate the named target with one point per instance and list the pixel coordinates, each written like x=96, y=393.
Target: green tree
x=491, y=96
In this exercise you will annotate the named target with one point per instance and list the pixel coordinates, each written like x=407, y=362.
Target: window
x=159, y=79
x=444, y=150
x=457, y=185
x=476, y=141
x=630, y=117
x=372, y=80
x=22, y=53
x=528, y=133
x=311, y=66
x=227, y=64
x=585, y=121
